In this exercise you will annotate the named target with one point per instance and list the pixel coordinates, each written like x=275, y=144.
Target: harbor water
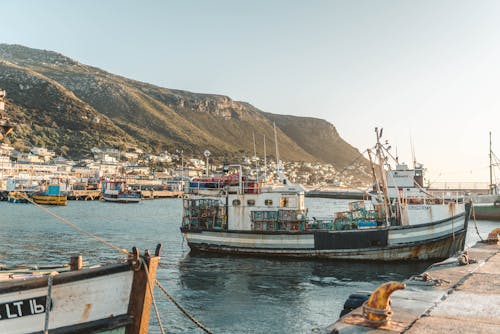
x=228, y=294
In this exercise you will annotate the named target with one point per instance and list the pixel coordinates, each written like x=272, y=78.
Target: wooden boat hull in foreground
x=99, y=300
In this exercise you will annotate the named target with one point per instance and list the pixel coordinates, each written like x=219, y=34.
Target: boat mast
x=265, y=159
x=382, y=174
x=492, y=190
x=276, y=143
x=377, y=185
x=279, y=167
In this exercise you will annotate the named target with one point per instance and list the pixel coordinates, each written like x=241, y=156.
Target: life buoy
x=295, y=227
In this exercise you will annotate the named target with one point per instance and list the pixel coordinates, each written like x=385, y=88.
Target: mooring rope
x=79, y=229
x=189, y=316
x=124, y=251
x=473, y=214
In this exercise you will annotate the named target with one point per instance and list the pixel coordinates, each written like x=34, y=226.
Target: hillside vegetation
x=70, y=107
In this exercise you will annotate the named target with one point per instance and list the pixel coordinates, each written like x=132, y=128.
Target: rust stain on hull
x=86, y=312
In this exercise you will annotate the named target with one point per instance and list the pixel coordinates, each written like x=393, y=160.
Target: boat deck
x=456, y=299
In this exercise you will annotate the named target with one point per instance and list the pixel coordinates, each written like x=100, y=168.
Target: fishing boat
x=114, y=298
x=52, y=196
x=487, y=207
x=17, y=197
x=239, y=215
x=117, y=191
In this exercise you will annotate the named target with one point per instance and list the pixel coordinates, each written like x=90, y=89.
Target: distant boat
x=52, y=196
x=17, y=197
x=487, y=207
x=236, y=214
x=117, y=191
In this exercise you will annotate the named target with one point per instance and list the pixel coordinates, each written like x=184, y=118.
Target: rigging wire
x=79, y=229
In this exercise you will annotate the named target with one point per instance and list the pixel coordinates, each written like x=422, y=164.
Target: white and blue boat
x=117, y=191
x=251, y=217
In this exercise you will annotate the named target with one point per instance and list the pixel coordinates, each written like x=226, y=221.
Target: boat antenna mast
x=279, y=167
x=265, y=159
x=381, y=159
x=413, y=152
x=494, y=162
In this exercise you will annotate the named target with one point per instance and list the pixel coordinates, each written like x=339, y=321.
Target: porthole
x=268, y=202
x=236, y=202
x=251, y=202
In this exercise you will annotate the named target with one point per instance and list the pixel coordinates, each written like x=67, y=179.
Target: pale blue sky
x=426, y=70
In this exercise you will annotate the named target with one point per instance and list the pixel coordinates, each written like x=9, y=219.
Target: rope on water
x=153, y=297
x=190, y=317
x=79, y=229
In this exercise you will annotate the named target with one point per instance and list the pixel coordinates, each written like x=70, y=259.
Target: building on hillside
x=44, y=154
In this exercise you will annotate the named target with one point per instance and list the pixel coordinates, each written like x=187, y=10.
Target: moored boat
x=52, y=196
x=17, y=197
x=487, y=207
x=118, y=192
x=252, y=217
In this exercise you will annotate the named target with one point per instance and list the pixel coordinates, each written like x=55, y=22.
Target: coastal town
x=32, y=171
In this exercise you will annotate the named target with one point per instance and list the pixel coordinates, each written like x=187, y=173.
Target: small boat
x=112, y=298
x=117, y=191
x=17, y=197
x=238, y=215
x=52, y=196
x=487, y=207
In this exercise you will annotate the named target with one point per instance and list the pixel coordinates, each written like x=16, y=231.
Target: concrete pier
x=450, y=297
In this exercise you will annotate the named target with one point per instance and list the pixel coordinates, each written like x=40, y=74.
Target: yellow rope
x=79, y=229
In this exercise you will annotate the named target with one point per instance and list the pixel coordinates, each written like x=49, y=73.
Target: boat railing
x=229, y=185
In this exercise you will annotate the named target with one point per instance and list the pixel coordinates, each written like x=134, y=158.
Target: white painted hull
x=121, y=199
x=434, y=240
x=79, y=299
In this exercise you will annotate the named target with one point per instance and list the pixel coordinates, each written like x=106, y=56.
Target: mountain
x=64, y=105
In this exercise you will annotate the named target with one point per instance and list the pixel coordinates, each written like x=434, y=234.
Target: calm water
x=227, y=294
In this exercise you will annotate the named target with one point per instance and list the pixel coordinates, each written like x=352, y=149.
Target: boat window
x=251, y=202
x=236, y=202
x=268, y=202
x=288, y=202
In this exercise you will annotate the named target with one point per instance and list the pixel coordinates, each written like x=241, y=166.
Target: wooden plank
x=141, y=299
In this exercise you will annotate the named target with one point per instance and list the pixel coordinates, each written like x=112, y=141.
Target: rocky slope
x=68, y=106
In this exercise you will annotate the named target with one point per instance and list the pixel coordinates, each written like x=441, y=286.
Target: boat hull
x=436, y=240
x=50, y=199
x=86, y=301
x=121, y=198
x=487, y=212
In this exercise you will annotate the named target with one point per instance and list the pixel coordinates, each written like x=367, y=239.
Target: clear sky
x=428, y=72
